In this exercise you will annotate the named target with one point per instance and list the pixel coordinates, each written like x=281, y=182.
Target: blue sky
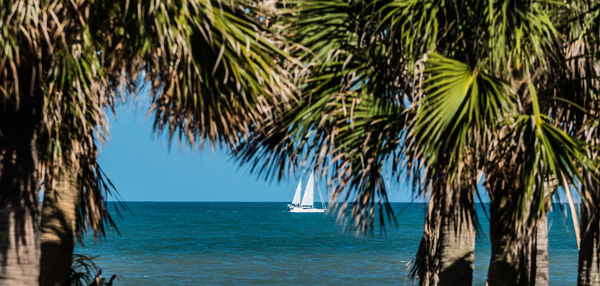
x=144, y=168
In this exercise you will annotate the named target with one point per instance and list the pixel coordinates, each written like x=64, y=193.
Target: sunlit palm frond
x=547, y=154
x=213, y=69
x=459, y=108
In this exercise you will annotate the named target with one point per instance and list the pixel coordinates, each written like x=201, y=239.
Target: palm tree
x=74, y=186
x=352, y=133
x=582, y=75
x=460, y=88
x=212, y=67
x=588, y=270
x=500, y=103
x=353, y=143
x=73, y=124
x=589, y=227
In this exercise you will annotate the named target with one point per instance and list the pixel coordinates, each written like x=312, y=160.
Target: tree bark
x=19, y=242
x=503, y=269
x=19, y=201
x=446, y=252
x=457, y=243
x=59, y=217
x=525, y=266
x=539, y=258
x=589, y=252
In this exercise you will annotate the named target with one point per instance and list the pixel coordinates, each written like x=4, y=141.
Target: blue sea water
x=200, y=243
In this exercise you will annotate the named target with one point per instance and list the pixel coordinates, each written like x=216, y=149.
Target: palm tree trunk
x=19, y=239
x=457, y=243
x=526, y=266
x=58, y=228
x=19, y=201
x=539, y=259
x=503, y=269
x=446, y=252
x=589, y=251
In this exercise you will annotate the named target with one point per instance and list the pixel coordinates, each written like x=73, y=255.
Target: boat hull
x=297, y=209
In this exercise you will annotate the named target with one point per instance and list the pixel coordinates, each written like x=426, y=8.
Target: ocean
x=225, y=243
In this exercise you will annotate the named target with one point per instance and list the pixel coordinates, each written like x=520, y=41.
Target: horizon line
x=157, y=201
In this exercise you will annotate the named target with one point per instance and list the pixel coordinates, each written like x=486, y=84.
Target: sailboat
x=307, y=203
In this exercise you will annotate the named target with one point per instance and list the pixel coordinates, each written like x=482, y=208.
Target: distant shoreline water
x=191, y=243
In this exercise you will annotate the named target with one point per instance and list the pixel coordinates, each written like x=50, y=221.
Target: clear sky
x=144, y=168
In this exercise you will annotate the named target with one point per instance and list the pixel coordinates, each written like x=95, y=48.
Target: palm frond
x=459, y=108
x=547, y=154
x=49, y=48
x=348, y=121
x=522, y=36
x=213, y=69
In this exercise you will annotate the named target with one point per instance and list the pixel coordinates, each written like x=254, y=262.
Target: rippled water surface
x=262, y=243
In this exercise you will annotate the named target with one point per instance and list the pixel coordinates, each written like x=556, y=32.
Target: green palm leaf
x=459, y=107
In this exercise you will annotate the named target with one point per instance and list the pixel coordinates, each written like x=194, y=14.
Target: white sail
x=297, y=194
x=309, y=192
